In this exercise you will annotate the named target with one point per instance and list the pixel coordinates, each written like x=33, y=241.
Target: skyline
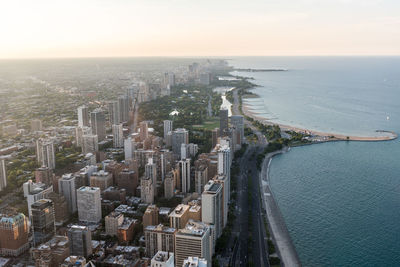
x=181, y=28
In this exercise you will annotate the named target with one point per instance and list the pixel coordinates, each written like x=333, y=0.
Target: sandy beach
x=324, y=136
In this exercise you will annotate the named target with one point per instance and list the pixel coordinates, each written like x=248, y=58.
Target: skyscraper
x=143, y=130
x=66, y=187
x=98, y=123
x=118, y=135
x=200, y=177
x=223, y=121
x=128, y=180
x=179, y=136
x=90, y=144
x=45, y=153
x=43, y=221
x=211, y=207
x=3, y=174
x=224, y=164
x=80, y=132
x=150, y=170
x=147, y=190
x=80, y=241
x=167, y=128
x=238, y=122
x=113, y=112
x=89, y=204
x=123, y=104
x=14, y=231
x=83, y=116
x=184, y=167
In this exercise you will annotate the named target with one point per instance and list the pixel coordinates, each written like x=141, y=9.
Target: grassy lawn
x=209, y=124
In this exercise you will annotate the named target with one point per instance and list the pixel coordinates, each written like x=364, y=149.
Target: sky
x=123, y=28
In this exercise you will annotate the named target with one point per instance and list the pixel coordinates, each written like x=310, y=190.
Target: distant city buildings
x=113, y=112
x=34, y=192
x=179, y=136
x=66, y=187
x=168, y=127
x=36, y=125
x=43, y=221
x=223, y=121
x=118, y=135
x=90, y=144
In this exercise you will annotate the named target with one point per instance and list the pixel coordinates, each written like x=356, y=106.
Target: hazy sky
x=86, y=28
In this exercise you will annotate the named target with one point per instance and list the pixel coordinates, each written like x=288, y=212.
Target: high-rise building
x=101, y=179
x=34, y=192
x=80, y=241
x=80, y=132
x=150, y=216
x=118, y=135
x=89, y=204
x=123, y=103
x=159, y=238
x=179, y=216
x=45, y=154
x=224, y=164
x=129, y=147
x=98, y=124
x=193, y=241
x=211, y=207
x=200, y=177
x=167, y=128
x=128, y=180
x=112, y=222
x=36, y=125
x=184, y=167
x=205, y=78
x=66, y=187
x=238, y=122
x=147, y=190
x=51, y=253
x=43, y=221
x=113, y=112
x=144, y=131
x=223, y=121
x=222, y=179
x=14, y=232
x=44, y=175
x=3, y=174
x=150, y=170
x=163, y=259
x=83, y=116
x=169, y=185
x=215, y=135
x=179, y=136
x=61, y=213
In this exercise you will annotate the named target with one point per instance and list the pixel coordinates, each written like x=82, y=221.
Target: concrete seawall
x=276, y=223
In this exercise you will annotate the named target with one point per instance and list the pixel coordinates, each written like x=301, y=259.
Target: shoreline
x=276, y=223
x=324, y=136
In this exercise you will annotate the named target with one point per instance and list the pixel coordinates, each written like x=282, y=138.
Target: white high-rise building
x=193, y=241
x=211, y=207
x=98, y=123
x=184, y=167
x=89, y=204
x=66, y=187
x=129, y=147
x=83, y=116
x=90, y=144
x=34, y=192
x=179, y=136
x=167, y=128
x=224, y=164
x=118, y=135
x=45, y=154
x=222, y=179
x=3, y=174
x=150, y=170
x=80, y=132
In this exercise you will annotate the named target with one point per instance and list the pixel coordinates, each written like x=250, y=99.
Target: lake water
x=340, y=201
